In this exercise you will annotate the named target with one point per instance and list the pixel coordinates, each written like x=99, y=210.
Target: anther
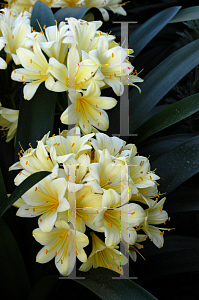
x=35, y=189
x=112, y=55
x=26, y=163
x=159, y=208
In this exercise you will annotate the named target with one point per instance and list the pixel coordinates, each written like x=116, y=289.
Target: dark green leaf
x=139, y=38
x=4, y=197
x=21, y=189
x=43, y=287
x=186, y=14
x=41, y=14
x=168, y=116
x=158, y=146
x=75, y=12
x=13, y=274
x=160, y=80
x=178, y=255
x=177, y=165
x=101, y=283
x=36, y=118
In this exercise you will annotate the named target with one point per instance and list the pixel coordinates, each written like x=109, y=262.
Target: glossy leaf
x=168, y=116
x=158, y=146
x=41, y=15
x=101, y=283
x=43, y=287
x=76, y=12
x=160, y=80
x=21, y=189
x=186, y=14
x=13, y=275
x=177, y=165
x=139, y=38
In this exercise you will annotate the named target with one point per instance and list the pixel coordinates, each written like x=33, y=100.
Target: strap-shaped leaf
x=160, y=80
x=2, y=189
x=178, y=165
x=36, y=118
x=76, y=12
x=41, y=14
x=43, y=287
x=168, y=116
x=101, y=283
x=186, y=14
x=139, y=38
x=158, y=146
x=13, y=275
x=21, y=189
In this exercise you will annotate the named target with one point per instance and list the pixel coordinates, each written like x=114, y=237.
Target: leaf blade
x=21, y=189
x=168, y=116
x=186, y=14
x=160, y=80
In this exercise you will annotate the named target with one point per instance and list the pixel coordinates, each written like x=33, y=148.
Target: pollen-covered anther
x=159, y=208
x=35, y=189
x=26, y=163
x=35, y=35
x=112, y=54
x=13, y=36
x=44, y=26
x=141, y=178
x=114, y=74
x=31, y=60
x=33, y=209
x=48, y=157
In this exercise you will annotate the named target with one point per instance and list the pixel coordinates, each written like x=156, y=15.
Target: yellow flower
x=103, y=256
x=45, y=199
x=87, y=109
x=64, y=243
x=34, y=72
x=14, y=30
x=9, y=121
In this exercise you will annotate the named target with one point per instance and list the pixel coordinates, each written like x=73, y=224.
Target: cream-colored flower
x=155, y=215
x=32, y=160
x=76, y=76
x=71, y=145
x=14, y=34
x=117, y=220
x=113, y=65
x=51, y=41
x=34, y=71
x=105, y=257
x=63, y=243
x=87, y=109
x=9, y=122
x=45, y=199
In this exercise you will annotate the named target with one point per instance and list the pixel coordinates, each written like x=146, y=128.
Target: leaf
x=177, y=165
x=43, y=287
x=139, y=38
x=160, y=80
x=36, y=118
x=43, y=15
x=101, y=283
x=2, y=189
x=158, y=146
x=178, y=255
x=186, y=14
x=168, y=116
x=21, y=189
x=75, y=12
x=13, y=275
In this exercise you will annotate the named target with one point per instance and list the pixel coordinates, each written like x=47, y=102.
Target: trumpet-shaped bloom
x=35, y=160
x=118, y=219
x=155, y=215
x=34, y=71
x=14, y=35
x=45, y=199
x=51, y=41
x=72, y=144
x=76, y=76
x=87, y=109
x=9, y=122
x=63, y=243
x=103, y=256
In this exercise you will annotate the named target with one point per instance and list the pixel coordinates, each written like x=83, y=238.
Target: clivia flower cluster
x=97, y=184
x=73, y=56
